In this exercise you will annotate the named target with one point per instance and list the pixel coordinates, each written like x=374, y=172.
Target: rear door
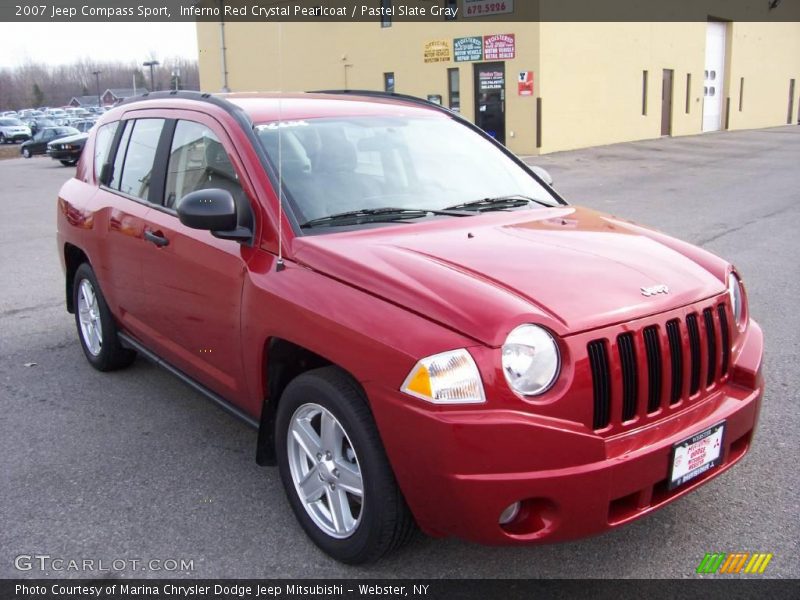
x=193, y=281
x=122, y=203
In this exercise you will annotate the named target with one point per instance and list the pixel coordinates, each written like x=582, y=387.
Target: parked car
x=38, y=143
x=83, y=125
x=422, y=333
x=67, y=150
x=13, y=130
x=9, y=113
x=38, y=123
x=30, y=113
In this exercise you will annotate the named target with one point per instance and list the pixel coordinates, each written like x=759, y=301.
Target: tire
x=69, y=163
x=97, y=330
x=3, y=139
x=381, y=521
x=26, y=153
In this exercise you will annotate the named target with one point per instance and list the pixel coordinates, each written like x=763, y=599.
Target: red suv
x=422, y=330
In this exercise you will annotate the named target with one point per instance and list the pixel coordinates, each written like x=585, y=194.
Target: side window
x=120, y=157
x=139, y=157
x=197, y=161
x=102, y=145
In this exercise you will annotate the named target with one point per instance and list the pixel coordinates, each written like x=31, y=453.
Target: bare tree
x=35, y=84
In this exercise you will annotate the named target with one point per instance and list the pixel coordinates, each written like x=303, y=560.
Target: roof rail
x=378, y=94
x=186, y=94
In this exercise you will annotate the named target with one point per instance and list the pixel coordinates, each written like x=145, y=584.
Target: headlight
x=530, y=360
x=737, y=298
x=446, y=378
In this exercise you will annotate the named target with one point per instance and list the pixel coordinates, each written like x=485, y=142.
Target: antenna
x=280, y=266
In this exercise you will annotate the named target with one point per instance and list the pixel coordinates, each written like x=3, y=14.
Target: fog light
x=509, y=514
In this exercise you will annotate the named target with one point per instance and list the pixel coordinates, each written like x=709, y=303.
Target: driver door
x=193, y=281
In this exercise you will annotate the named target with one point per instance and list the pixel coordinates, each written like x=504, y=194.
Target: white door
x=714, y=76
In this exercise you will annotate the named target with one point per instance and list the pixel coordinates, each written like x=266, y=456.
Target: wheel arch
x=283, y=361
x=74, y=257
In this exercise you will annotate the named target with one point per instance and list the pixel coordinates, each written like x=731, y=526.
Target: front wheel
x=26, y=153
x=69, y=163
x=337, y=477
x=2, y=138
x=96, y=328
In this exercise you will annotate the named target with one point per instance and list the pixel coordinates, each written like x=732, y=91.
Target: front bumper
x=17, y=137
x=459, y=469
x=64, y=154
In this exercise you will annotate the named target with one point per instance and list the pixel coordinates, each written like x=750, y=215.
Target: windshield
x=10, y=122
x=335, y=165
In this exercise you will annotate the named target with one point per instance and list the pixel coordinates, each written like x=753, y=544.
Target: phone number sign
x=482, y=8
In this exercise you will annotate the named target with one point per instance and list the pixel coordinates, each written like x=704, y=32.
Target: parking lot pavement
x=135, y=465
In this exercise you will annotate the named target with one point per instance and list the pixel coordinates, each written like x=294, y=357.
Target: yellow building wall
x=592, y=81
x=767, y=56
x=356, y=55
x=588, y=75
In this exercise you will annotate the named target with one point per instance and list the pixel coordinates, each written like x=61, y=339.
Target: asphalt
x=136, y=465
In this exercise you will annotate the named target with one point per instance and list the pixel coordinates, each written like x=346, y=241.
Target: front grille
x=694, y=353
x=654, y=367
x=711, y=345
x=656, y=357
x=601, y=378
x=675, y=359
x=630, y=378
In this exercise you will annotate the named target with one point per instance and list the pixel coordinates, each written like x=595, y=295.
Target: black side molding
x=133, y=344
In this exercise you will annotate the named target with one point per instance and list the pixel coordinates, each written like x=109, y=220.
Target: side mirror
x=542, y=174
x=213, y=210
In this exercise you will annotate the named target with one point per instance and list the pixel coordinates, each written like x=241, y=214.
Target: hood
x=70, y=138
x=569, y=269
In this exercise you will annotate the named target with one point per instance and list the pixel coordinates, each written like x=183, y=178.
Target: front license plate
x=696, y=455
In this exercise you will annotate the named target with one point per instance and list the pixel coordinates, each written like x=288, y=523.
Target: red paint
x=377, y=300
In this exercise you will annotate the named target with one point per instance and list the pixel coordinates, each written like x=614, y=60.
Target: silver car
x=13, y=130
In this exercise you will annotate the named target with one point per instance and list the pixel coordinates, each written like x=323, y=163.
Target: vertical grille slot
x=601, y=382
x=711, y=346
x=676, y=360
x=694, y=351
x=627, y=359
x=724, y=338
x=653, y=351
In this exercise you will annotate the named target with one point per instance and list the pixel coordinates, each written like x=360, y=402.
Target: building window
x=386, y=10
x=451, y=6
x=388, y=82
x=454, y=89
x=644, y=93
x=688, y=92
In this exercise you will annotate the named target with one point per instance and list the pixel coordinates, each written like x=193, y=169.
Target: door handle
x=156, y=238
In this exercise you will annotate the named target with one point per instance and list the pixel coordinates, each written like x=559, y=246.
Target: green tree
x=38, y=95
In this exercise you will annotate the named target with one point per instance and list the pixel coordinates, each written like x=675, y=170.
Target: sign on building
x=437, y=51
x=491, y=80
x=525, y=83
x=468, y=49
x=502, y=46
x=482, y=8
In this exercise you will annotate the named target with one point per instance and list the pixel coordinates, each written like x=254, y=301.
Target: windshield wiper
x=497, y=203
x=375, y=215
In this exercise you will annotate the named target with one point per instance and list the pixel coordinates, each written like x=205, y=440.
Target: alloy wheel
x=89, y=316
x=325, y=470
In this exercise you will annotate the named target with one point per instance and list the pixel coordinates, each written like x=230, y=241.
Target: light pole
x=176, y=78
x=151, y=64
x=97, y=80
